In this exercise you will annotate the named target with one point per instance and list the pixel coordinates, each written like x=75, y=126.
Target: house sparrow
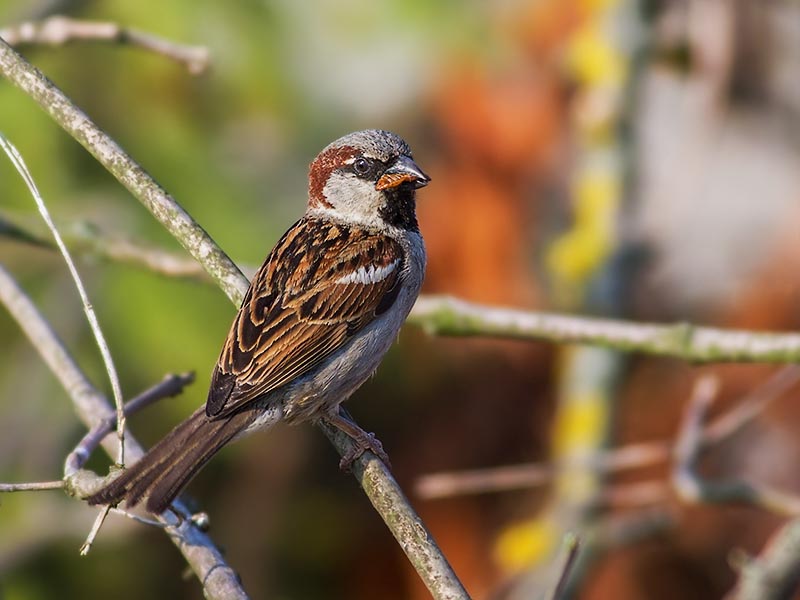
x=320, y=313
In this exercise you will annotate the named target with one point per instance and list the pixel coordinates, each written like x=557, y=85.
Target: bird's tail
x=167, y=467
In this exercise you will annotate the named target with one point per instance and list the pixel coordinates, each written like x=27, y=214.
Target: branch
x=408, y=529
x=569, y=554
x=59, y=30
x=170, y=386
x=444, y=315
x=32, y=487
x=633, y=456
x=88, y=309
x=381, y=488
x=217, y=578
x=86, y=238
x=692, y=488
x=775, y=574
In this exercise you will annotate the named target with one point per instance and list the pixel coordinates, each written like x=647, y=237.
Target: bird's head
x=367, y=177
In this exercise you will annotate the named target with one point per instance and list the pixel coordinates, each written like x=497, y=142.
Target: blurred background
x=635, y=160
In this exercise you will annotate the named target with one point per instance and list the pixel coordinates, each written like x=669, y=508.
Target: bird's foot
x=364, y=440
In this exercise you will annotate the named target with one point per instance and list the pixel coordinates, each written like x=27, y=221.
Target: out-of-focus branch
x=217, y=578
x=85, y=238
x=633, y=456
x=692, y=488
x=775, y=574
x=569, y=554
x=376, y=480
x=59, y=30
x=444, y=315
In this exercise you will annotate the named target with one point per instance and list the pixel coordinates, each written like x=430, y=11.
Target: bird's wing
x=320, y=285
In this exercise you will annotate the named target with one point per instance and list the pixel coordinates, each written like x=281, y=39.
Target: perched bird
x=320, y=313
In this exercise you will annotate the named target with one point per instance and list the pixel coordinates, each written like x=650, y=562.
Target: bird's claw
x=365, y=442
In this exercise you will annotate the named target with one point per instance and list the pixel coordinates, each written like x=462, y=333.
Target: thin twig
x=633, y=456
x=32, y=487
x=775, y=574
x=569, y=554
x=692, y=488
x=59, y=30
x=91, y=316
x=752, y=405
x=529, y=475
x=98, y=523
x=138, y=519
x=634, y=495
x=170, y=386
x=85, y=238
x=219, y=581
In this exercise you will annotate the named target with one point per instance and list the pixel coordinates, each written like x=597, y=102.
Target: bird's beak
x=402, y=170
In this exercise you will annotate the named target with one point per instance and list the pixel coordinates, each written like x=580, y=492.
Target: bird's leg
x=364, y=440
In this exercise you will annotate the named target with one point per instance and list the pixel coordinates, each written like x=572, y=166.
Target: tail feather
x=167, y=468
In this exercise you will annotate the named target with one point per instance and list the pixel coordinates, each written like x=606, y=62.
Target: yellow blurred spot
x=525, y=544
x=581, y=424
x=597, y=6
x=593, y=59
x=574, y=257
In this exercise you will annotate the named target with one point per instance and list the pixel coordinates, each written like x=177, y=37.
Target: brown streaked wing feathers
x=295, y=314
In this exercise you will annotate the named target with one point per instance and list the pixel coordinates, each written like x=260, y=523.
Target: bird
x=316, y=321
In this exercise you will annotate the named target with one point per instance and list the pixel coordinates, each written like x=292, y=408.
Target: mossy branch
x=444, y=315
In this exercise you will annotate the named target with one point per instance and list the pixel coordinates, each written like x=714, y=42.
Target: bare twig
x=634, y=495
x=444, y=315
x=59, y=30
x=612, y=532
x=752, y=405
x=91, y=316
x=569, y=554
x=692, y=488
x=633, y=456
x=217, y=578
x=525, y=476
x=98, y=523
x=32, y=487
x=138, y=519
x=380, y=486
x=775, y=574
x=171, y=385
x=85, y=238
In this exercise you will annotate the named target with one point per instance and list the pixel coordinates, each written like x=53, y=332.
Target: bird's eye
x=361, y=166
